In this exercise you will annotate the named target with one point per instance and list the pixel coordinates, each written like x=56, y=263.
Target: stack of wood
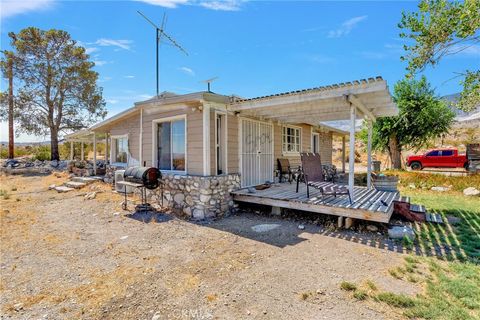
x=473, y=157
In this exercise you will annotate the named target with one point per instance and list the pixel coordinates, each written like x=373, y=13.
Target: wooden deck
x=372, y=205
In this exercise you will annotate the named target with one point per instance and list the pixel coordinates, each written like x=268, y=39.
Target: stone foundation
x=197, y=197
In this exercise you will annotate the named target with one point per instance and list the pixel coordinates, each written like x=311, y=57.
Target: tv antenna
x=208, y=82
x=160, y=32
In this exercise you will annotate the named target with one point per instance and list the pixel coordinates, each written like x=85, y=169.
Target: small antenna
x=159, y=33
x=208, y=82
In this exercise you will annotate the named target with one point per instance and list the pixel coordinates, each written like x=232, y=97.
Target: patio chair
x=284, y=169
x=313, y=177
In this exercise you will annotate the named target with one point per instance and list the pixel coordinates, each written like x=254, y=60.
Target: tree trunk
x=11, y=143
x=395, y=152
x=54, y=154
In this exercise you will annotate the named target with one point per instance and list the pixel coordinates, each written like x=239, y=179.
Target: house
x=207, y=144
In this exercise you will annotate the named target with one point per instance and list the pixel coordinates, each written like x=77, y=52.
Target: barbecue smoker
x=142, y=178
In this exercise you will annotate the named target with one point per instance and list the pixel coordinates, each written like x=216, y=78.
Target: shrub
x=396, y=300
x=348, y=286
x=360, y=295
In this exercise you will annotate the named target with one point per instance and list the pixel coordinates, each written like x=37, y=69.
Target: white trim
x=225, y=156
x=112, y=150
x=155, y=122
x=140, y=147
x=206, y=140
x=300, y=149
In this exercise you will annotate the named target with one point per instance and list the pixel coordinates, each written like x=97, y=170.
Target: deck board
x=367, y=203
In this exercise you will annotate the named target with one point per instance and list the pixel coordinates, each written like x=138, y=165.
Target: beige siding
x=130, y=127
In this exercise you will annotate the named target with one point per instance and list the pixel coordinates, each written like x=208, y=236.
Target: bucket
x=376, y=165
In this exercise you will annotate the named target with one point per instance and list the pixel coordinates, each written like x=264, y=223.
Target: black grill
x=146, y=176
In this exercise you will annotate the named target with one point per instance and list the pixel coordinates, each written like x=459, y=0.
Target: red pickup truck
x=438, y=158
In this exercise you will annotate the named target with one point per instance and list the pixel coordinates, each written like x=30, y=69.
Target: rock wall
x=197, y=197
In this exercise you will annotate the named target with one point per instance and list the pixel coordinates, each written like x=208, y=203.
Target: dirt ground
x=64, y=257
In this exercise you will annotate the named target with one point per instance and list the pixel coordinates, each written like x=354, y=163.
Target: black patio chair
x=284, y=169
x=312, y=174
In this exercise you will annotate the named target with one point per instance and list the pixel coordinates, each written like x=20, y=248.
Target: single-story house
x=207, y=144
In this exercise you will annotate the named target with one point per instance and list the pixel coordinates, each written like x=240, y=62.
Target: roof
x=370, y=97
x=322, y=88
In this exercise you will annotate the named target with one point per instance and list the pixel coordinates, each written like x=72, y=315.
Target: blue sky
x=254, y=47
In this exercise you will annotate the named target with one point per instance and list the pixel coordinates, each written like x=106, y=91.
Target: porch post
x=206, y=140
x=94, y=154
x=351, y=159
x=107, y=151
x=369, y=155
x=71, y=150
x=82, y=156
x=343, y=154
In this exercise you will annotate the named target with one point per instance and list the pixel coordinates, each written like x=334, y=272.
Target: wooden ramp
x=371, y=205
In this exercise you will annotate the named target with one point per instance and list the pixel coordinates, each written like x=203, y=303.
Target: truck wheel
x=465, y=166
x=416, y=165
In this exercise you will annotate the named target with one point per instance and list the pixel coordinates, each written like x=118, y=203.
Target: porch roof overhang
x=371, y=98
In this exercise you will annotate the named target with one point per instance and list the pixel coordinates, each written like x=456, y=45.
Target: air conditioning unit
x=119, y=176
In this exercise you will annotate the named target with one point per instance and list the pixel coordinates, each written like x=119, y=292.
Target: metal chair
x=312, y=173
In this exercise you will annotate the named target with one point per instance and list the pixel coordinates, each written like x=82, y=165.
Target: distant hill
x=460, y=115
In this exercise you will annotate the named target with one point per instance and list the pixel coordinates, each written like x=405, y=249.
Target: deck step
x=75, y=185
x=418, y=208
x=403, y=199
x=433, y=218
x=86, y=180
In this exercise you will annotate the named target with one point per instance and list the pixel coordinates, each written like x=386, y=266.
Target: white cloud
x=226, y=5
x=122, y=44
x=129, y=77
x=188, y=71
x=91, y=50
x=346, y=27
x=10, y=8
x=218, y=5
x=111, y=101
x=100, y=63
x=165, y=3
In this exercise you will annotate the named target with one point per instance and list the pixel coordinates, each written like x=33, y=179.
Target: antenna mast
x=208, y=82
x=159, y=33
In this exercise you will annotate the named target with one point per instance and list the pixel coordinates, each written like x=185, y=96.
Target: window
x=220, y=141
x=120, y=150
x=433, y=153
x=171, y=145
x=447, y=153
x=291, y=139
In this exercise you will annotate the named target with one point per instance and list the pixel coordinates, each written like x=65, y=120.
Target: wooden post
x=71, y=150
x=94, y=154
x=107, y=151
x=343, y=154
x=11, y=136
x=369, y=155
x=351, y=159
x=82, y=153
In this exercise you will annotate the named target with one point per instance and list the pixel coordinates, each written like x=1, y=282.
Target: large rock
x=471, y=191
x=399, y=232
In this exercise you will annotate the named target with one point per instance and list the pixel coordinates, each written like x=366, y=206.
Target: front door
x=256, y=152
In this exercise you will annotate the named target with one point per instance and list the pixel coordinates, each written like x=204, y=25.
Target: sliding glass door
x=171, y=143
